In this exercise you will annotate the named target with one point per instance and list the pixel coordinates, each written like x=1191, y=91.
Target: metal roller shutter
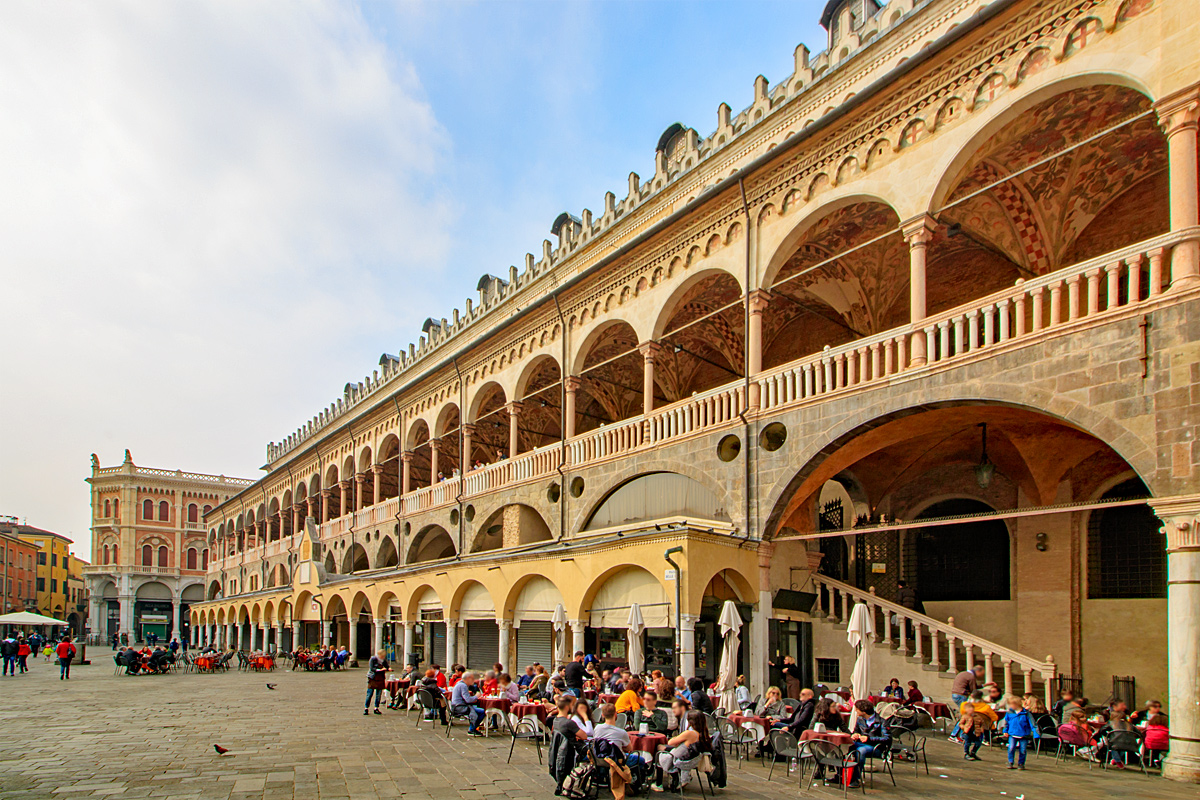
x=483, y=644
x=438, y=631
x=535, y=643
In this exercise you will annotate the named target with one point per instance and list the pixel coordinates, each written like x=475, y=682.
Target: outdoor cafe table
x=647, y=742
x=608, y=698
x=834, y=737
x=589, y=694
x=531, y=709
x=206, y=662
x=262, y=662
x=394, y=685
x=936, y=710
x=758, y=725
x=501, y=704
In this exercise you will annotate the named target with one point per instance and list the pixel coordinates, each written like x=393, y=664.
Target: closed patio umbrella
x=858, y=634
x=634, y=651
x=559, y=620
x=731, y=633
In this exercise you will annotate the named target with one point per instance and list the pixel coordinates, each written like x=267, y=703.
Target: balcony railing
x=1047, y=305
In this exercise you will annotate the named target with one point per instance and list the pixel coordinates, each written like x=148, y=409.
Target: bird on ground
x=271, y=685
x=220, y=750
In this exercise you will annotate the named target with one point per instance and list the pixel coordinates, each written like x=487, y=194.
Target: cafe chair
x=451, y=715
x=1070, y=741
x=703, y=770
x=736, y=739
x=1125, y=744
x=427, y=705
x=1047, y=735
x=526, y=729
x=829, y=760
x=785, y=746
x=884, y=757
x=597, y=716
x=622, y=720
x=908, y=743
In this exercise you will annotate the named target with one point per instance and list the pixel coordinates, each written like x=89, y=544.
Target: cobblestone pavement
x=101, y=735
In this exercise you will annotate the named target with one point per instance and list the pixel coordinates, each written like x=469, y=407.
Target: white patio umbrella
x=731, y=633
x=858, y=634
x=559, y=620
x=29, y=618
x=634, y=650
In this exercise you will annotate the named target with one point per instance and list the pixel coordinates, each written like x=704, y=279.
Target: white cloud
x=210, y=215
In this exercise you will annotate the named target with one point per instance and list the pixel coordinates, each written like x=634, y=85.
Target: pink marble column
x=1179, y=115
x=917, y=233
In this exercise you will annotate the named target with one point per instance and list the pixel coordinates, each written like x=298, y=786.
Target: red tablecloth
x=647, y=742
x=395, y=685
x=834, y=737
x=531, y=709
x=738, y=719
x=608, y=698
x=498, y=703
x=262, y=662
x=936, y=710
x=843, y=695
x=589, y=694
x=206, y=662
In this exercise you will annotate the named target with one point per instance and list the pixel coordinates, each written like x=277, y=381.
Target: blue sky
x=215, y=214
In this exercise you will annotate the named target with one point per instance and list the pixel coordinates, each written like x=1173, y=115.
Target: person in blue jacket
x=1021, y=728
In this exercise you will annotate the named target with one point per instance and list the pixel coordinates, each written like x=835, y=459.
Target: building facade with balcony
x=925, y=311
x=149, y=547
x=52, y=561
x=18, y=583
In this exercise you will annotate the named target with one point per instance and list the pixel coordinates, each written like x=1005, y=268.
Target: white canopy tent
x=29, y=618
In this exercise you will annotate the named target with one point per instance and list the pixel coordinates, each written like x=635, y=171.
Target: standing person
x=376, y=680
x=115, y=642
x=65, y=652
x=791, y=676
x=174, y=646
x=8, y=649
x=964, y=684
x=1020, y=726
x=23, y=651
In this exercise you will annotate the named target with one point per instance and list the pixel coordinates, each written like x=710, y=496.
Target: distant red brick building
x=18, y=574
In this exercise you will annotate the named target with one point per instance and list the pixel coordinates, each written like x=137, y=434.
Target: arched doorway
x=962, y=561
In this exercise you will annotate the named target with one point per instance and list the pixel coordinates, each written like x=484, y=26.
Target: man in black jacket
x=802, y=717
x=872, y=738
x=574, y=674
x=8, y=649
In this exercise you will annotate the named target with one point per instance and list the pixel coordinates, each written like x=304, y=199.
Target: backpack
x=579, y=783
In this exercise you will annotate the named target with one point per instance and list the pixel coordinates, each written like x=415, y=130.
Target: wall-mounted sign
x=878, y=566
x=669, y=575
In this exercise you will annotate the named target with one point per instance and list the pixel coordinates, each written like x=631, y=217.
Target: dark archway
x=1126, y=554
x=962, y=561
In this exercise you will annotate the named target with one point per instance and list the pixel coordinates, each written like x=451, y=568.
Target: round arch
x=680, y=292
x=424, y=595
x=355, y=559
x=383, y=608
x=613, y=591
x=539, y=364
x=432, y=543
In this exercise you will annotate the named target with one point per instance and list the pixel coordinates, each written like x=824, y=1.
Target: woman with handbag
x=376, y=680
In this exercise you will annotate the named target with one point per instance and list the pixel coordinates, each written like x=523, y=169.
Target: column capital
x=376, y=469
x=919, y=230
x=504, y=624
x=1179, y=111
x=577, y=625
x=572, y=383
x=688, y=621
x=327, y=493
x=514, y=408
x=650, y=350
x=379, y=623
x=1181, y=521
x=407, y=456
x=759, y=299
x=469, y=428
x=343, y=484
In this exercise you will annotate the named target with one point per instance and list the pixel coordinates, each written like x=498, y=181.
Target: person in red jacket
x=23, y=651
x=65, y=652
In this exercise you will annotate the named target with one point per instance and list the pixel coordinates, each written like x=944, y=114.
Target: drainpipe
x=462, y=464
x=563, y=494
x=746, y=359
x=401, y=552
x=678, y=608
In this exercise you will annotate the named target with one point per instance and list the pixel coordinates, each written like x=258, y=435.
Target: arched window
x=1127, y=557
x=193, y=513
x=191, y=556
x=964, y=561
x=147, y=554
x=105, y=554
x=148, y=509
x=162, y=556
x=164, y=511
x=107, y=508
x=204, y=559
x=114, y=555
x=207, y=508
x=116, y=507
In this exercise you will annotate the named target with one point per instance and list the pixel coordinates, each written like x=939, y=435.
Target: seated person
x=506, y=689
x=1153, y=709
x=525, y=680
x=630, y=699
x=464, y=702
x=583, y=715
x=772, y=705
x=430, y=683
x=566, y=751
x=677, y=761
x=698, y=697
x=741, y=694
x=1156, y=740
x=132, y=661
x=490, y=682
x=1079, y=722
x=609, y=731
x=1060, y=711
x=539, y=682
x=677, y=719
x=976, y=717
x=802, y=717
x=893, y=691
x=871, y=736
x=914, y=694
x=649, y=714
x=681, y=688
x=825, y=713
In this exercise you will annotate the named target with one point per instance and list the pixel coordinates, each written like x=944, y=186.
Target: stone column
x=758, y=300
x=126, y=626
x=377, y=484
x=1178, y=114
x=433, y=461
x=352, y=629
x=687, y=644
x=295, y=634
x=571, y=384
x=176, y=628
x=295, y=511
x=279, y=629
x=326, y=496
x=451, y=642
x=378, y=636
x=230, y=636
x=514, y=429
x=578, y=626
x=408, y=640
x=505, y=626
x=1181, y=523
x=468, y=431
x=758, y=633
x=917, y=232
x=650, y=351
x=359, y=480
x=343, y=486
x=406, y=472
x=324, y=631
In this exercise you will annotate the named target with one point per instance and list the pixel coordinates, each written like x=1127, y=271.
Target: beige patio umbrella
x=858, y=634
x=731, y=633
x=634, y=651
x=559, y=621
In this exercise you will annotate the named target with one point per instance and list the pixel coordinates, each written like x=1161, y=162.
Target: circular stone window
x=454, y=516
x=408, y=529
x=576, y=486
x=553, y=492
x=772, y=437
x=470, y=513
x=729, y=447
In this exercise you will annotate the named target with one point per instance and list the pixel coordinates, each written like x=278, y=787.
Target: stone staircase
x=941, y=649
